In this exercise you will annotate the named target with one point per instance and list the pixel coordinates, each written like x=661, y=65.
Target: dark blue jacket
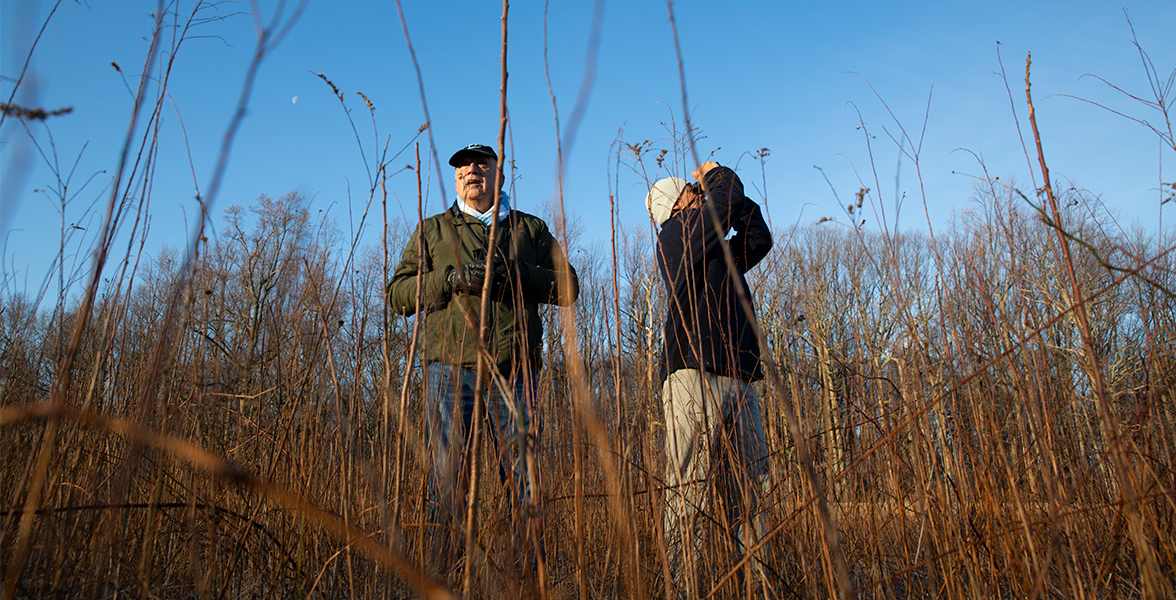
x=707, y=327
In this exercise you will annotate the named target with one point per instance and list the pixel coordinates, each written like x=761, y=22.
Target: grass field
x=981, y=411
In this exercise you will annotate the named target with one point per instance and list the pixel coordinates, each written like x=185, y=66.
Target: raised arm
x=692, y=237
x=752, y=240
x=724, y=192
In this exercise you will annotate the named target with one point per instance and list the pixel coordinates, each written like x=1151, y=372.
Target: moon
x=294, y=100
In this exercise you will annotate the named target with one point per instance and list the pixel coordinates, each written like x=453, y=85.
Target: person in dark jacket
x=712, y=355
x=440, y=278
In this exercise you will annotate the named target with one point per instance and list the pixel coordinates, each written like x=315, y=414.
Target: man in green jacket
x=440, y=278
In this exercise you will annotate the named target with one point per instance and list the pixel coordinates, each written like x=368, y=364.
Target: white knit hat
x=662, y=197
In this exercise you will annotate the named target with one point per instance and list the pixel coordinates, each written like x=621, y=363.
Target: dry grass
x=988, y=414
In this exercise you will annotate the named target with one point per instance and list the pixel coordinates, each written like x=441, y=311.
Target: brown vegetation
x=987, y=413
x=940, y=387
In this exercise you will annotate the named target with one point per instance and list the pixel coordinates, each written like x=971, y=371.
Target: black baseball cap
x=472, y=149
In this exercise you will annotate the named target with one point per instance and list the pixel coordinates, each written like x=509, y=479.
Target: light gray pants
x=713, y=431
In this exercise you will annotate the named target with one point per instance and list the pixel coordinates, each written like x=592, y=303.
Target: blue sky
x=791, y=77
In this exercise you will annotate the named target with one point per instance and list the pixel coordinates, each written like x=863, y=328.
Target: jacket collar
x=460, y=206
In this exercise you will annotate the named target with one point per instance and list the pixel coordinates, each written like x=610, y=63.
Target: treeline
x=940, y=381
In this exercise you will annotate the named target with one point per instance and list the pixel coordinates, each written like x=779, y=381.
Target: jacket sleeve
x=545, y=281
x=402, y=289
x=724, y=192
x=698, y=240
x=752, y=239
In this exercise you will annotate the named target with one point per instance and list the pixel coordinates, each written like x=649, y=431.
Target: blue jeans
x=509, y=434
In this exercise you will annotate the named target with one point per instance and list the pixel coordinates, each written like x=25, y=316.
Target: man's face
x=474, y=178
x=688, y=199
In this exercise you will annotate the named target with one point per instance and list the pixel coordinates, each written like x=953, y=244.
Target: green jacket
x=515, y=331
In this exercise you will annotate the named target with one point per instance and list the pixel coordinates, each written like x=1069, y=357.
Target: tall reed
x=986, y=410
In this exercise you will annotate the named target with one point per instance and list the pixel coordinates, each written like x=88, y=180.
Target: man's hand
x=508, y=271
x=702, y=170
x=469, y=277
